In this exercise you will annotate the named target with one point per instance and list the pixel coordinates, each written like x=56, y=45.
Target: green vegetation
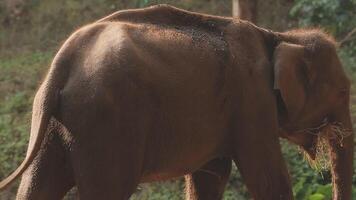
x=29, y=40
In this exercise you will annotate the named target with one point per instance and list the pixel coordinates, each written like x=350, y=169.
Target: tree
x=273, y=14
x=245, y=9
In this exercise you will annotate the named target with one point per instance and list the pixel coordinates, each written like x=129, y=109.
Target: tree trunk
x=272, y=14
x=244, y=9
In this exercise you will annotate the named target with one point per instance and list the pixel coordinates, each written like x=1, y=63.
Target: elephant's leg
x=260, y=162
x=208, y=182
x=50, y=175
x=255, y=143
x=112, y=177
x=107, y=167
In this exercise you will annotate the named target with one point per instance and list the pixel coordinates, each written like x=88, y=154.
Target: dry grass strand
x=326, y=132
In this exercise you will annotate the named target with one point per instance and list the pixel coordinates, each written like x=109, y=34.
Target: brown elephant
x=151, y=94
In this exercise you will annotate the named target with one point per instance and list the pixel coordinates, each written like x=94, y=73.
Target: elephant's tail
x=44, y=106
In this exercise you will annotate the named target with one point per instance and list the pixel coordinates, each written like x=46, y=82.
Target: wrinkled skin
x=157, y=93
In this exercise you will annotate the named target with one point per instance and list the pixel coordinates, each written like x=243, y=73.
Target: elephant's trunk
x=341, y=154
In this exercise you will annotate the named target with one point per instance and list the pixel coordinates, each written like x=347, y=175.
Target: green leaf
x=317, y=196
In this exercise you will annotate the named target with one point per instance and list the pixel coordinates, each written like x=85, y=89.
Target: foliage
x=19, y=78
x=333, y=15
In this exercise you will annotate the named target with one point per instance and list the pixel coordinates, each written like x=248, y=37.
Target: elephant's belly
x=179, y=160
x=173, y=170
x=160, y=176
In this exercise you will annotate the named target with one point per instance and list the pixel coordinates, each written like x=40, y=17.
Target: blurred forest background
x=31, y=31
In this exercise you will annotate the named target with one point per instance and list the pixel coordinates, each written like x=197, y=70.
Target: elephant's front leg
x=208, y=182
x=259, y=159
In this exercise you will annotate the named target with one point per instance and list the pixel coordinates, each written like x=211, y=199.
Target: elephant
x=150, y=94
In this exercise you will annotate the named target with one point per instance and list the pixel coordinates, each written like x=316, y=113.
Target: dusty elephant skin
x=151, y=94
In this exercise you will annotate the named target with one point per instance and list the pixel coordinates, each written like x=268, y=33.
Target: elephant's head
x=313, y=100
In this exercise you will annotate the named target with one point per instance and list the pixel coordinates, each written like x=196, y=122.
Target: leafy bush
x=337, y=17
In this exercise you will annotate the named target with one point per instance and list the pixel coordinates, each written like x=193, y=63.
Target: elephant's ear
x=290, y=76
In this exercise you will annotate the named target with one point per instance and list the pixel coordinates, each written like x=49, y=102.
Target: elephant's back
x=112, y=54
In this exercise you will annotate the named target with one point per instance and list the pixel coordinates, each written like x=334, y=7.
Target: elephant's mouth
x=317, y=129
x=317, y=152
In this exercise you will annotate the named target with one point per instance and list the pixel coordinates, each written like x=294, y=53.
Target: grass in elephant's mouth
x=327, y=132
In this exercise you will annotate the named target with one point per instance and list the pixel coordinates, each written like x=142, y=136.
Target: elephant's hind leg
x=50, y=175
x=103, y=172
x=107, y=167
x=208, y=183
